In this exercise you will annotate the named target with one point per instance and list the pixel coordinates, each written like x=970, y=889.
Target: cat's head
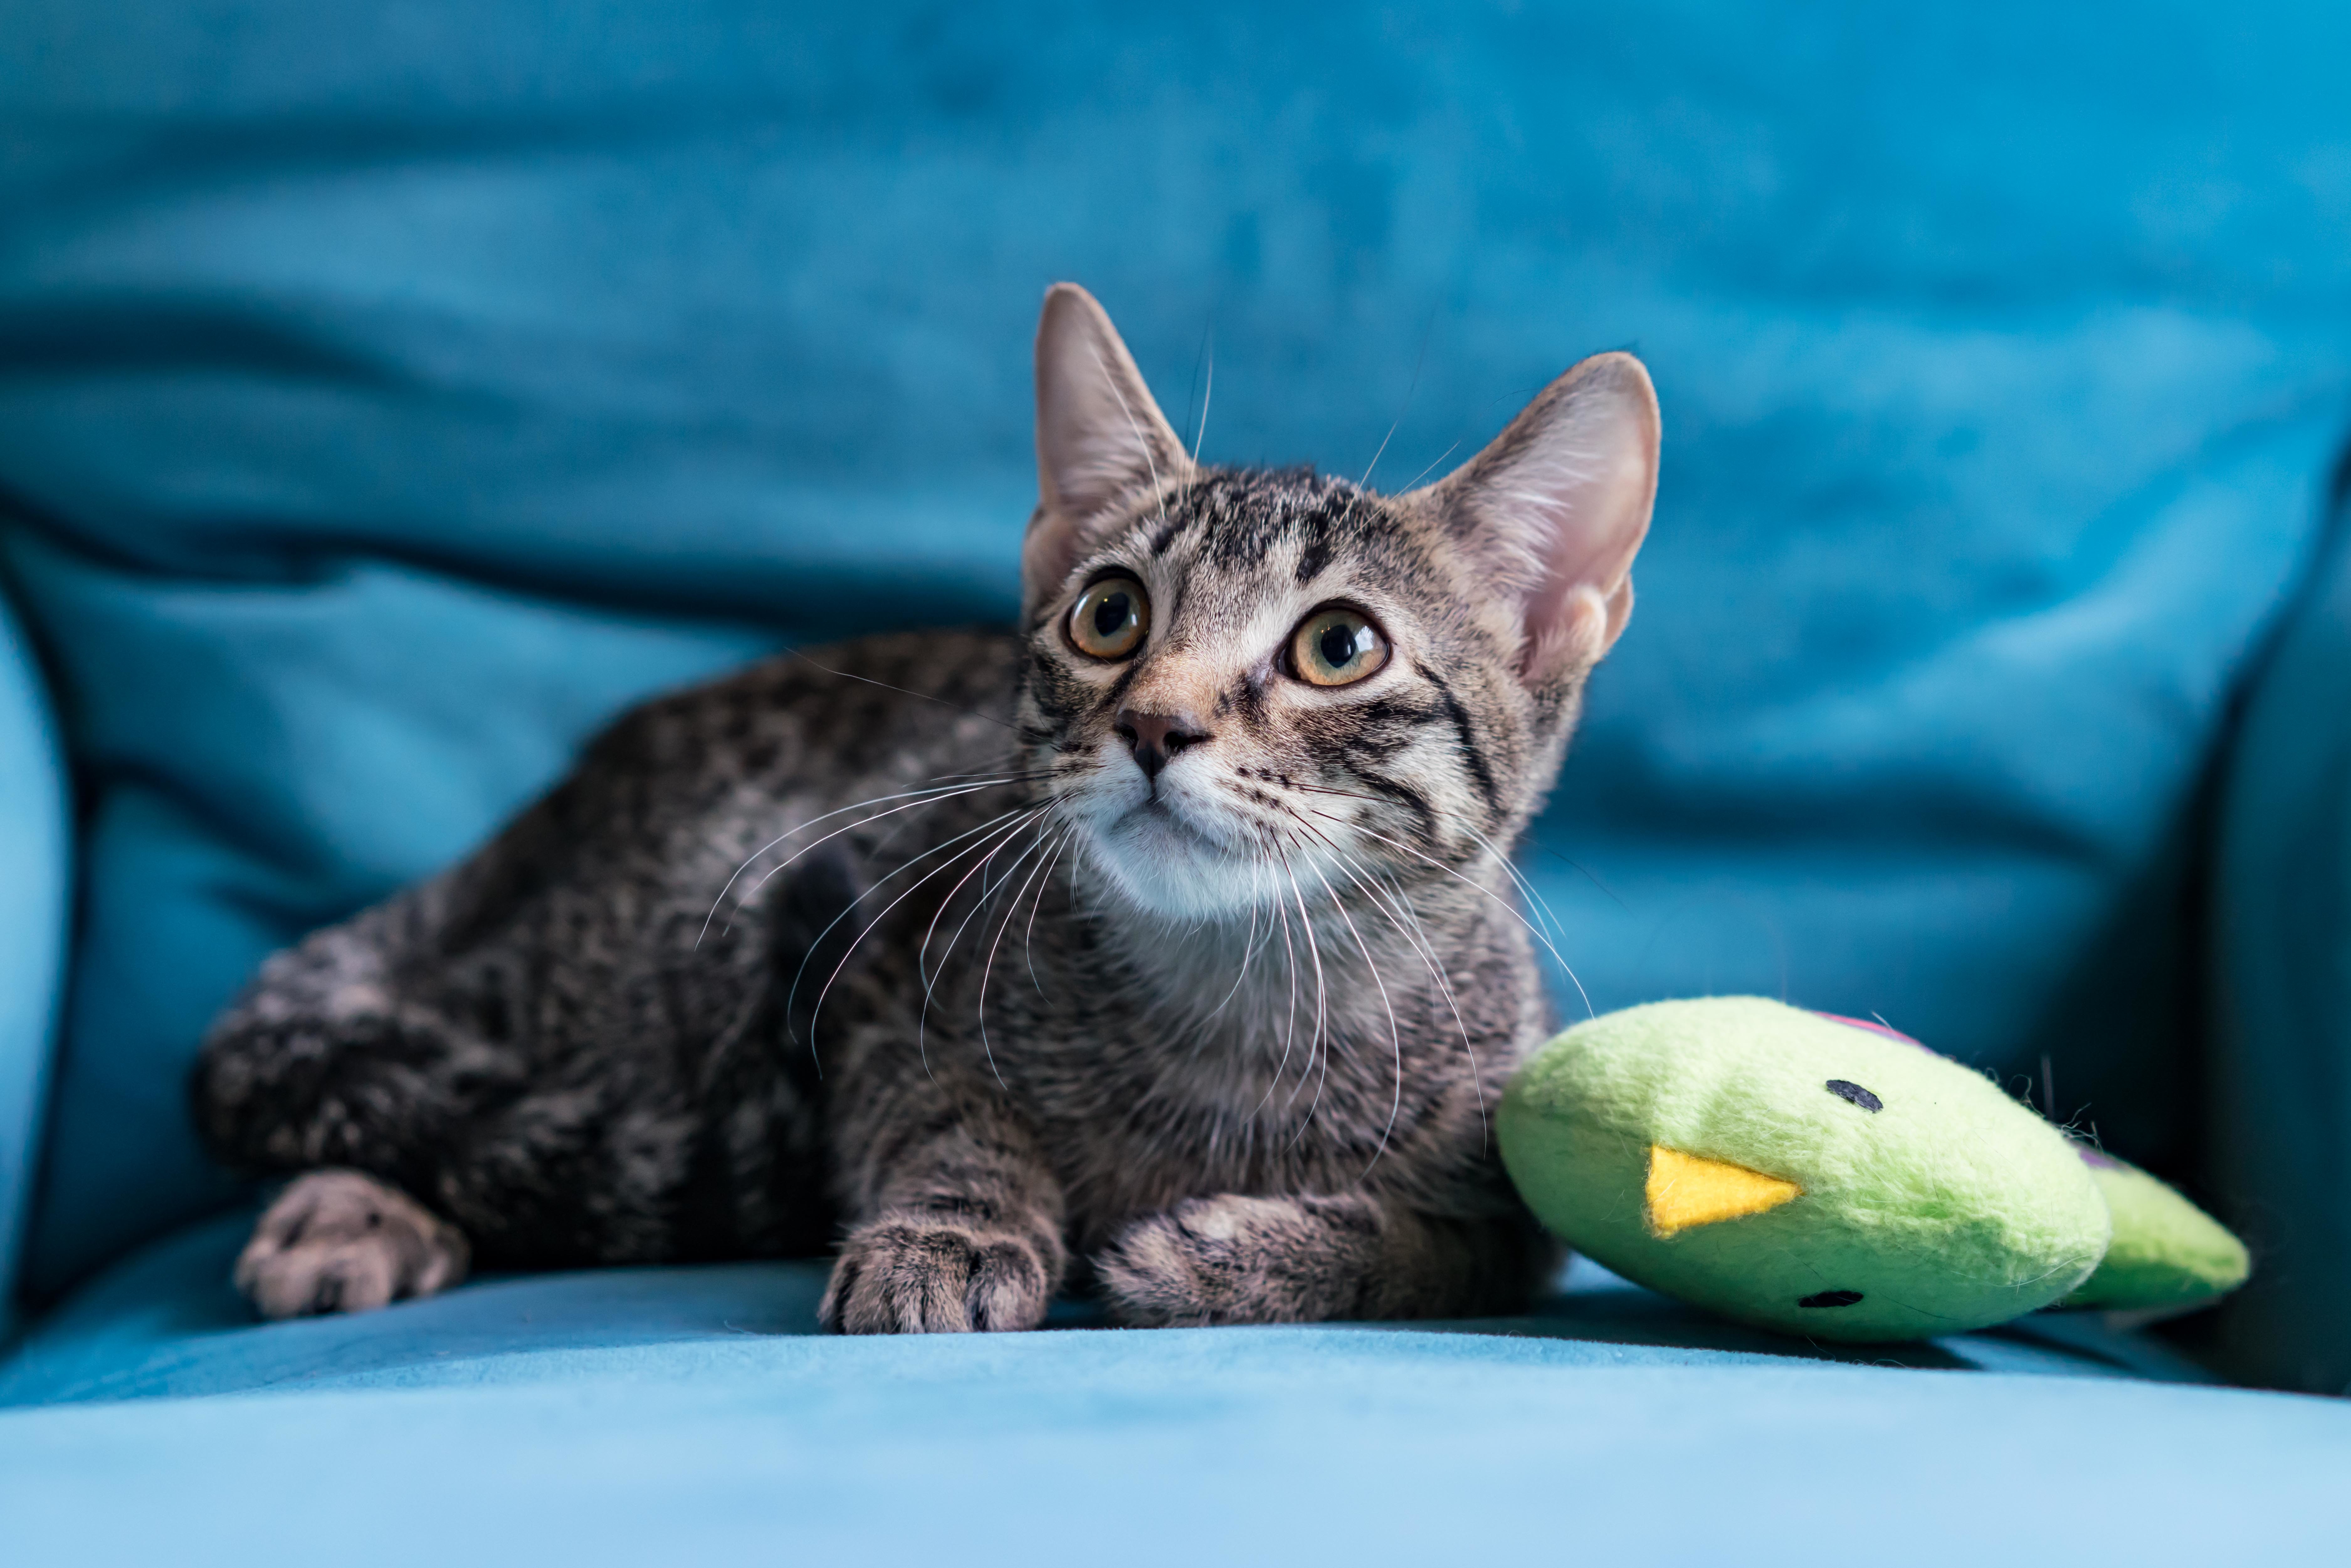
x=1243, y=685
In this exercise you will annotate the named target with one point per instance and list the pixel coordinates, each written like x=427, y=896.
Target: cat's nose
x=1157, y=737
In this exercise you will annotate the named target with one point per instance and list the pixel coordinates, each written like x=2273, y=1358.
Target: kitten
x=1167, y=946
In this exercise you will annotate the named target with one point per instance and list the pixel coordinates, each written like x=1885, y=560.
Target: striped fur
x=902, y=947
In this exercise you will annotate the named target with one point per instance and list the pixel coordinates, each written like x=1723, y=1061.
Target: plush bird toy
x=1836, y=1180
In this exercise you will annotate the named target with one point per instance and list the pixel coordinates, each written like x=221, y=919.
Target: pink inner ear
x=1560, y=502
x=1604, y=482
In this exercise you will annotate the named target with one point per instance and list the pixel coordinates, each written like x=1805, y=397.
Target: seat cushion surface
x=686, y=1415
x=166, y=1322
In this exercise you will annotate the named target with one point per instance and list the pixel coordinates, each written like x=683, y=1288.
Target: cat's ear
x=1557, y=507
x=1100, y=438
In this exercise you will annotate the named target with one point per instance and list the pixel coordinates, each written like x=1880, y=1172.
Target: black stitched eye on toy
x=1855, y=1094
x=1830, y=1299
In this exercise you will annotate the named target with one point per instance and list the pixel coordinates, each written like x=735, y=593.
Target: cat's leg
x=1237, y=1259
x=340, y=1241
x=331, y=1058
x=956, y=1217
x=330, y=1069
x=326, y=1069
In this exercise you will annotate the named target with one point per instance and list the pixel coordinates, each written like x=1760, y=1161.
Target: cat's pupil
x=1338, y=644
x=1112, y=614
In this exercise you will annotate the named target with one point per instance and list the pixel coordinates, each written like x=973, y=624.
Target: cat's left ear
x=1556, y=508
x=1100, y=440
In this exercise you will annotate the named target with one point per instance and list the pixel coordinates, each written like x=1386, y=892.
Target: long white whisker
x=1527, y=889
x=1424, y=472
x=784, y=864
x=879, y=882
x=1321, y=1006
x=1011, y=908
x=1452, y=999
x=947, y=865
x=1518, y=879
x=1384, y=899
x=921, y=957
x=1420, y=941
x=1556, y=955
x=1378, y=453
x=1410, y=387
x=1201, y=434
x=1415, y=934
x=934, y=794
x=1247, y=951
x=1396, y=1035
x=1028, y=935
x=1290, y=1014
x=930, y=983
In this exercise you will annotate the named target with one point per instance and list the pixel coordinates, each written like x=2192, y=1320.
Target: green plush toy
x=1835, y=1179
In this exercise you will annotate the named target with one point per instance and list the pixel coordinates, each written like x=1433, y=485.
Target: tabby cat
x=1166, y=947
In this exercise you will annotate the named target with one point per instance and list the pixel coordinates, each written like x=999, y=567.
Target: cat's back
x=697, y=803
x=914, y=706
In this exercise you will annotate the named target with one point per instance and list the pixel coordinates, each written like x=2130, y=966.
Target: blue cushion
x=166, y=1322
x=36, y=850
x=686, y=1416
x=390, y=393
x=1332, y=1447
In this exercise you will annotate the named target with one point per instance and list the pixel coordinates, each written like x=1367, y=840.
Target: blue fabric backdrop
x=385, y=395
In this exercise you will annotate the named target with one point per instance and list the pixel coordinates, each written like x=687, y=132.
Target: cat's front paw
x=338, y=1241
x=1237, y=1259
x=917, y=1276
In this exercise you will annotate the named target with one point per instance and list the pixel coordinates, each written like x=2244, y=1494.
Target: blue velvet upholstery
x=685, y=1415
x=688, y=1415
x=389, y=393
x=165, y=1322
x=1261, y=1448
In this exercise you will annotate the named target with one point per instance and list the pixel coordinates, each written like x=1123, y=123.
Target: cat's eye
x=1336, y=647
x=1110, y=618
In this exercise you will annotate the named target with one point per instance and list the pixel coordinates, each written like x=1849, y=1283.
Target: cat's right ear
x=1554, y=510
x=1100, y=440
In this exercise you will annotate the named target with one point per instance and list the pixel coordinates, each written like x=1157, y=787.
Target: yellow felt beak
x=1687, y=1191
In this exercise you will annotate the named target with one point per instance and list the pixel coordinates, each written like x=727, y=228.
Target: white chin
x=1170, y=870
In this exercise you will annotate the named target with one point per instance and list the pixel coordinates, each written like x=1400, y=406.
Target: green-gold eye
x=1336, y=647
x=1110, y=618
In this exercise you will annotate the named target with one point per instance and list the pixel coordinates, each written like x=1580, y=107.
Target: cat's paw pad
x=911, y=1276
x=337, y=1241
x=1222, y=1260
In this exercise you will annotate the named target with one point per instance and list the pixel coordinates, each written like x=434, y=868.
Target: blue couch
x=388, y=394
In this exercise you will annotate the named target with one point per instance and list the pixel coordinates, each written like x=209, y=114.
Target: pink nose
x=1157, y=737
